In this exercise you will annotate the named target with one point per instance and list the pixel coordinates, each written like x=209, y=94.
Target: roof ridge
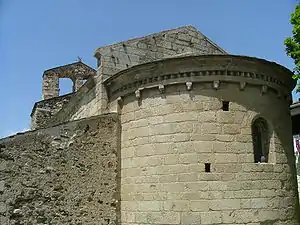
x=189, y=27
x=148, y=35
x=207, y=39
x=70, y=64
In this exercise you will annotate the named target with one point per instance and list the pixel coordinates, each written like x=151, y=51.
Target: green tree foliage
x=292, y=44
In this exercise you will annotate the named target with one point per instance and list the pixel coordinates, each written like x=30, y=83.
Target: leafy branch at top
x=292, y=44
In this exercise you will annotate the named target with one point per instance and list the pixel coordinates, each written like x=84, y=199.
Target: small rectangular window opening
x=207, y=167
x=225, y=106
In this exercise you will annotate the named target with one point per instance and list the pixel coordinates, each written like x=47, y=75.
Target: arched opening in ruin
x=66, y=86
x=261, y=140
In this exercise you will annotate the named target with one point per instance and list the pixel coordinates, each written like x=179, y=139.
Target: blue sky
x=37, y=35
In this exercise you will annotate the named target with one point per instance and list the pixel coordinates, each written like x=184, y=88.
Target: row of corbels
x=189, y=85
x=264, y=88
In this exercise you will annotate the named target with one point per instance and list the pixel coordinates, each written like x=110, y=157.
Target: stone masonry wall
x=153, y=47
x=64, y=175
x=50, y=88
x=90, y=104
x=44, y=110
x=84, y=103
x=80, y=99
x=77, y=72
x=120, y=56
x=168, y=138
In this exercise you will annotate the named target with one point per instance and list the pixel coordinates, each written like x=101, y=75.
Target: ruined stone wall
x=91, y=104
x=44, y=110
x=55, y=109
x=84, y=103
x=62, y=175
x=77, y=72
x=50, y=88
x=168, y=137
x=153, y=47
x=83, y=97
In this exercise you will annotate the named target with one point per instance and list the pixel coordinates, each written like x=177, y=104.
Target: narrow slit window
x=207, y=167
x=260, y=138
x=225, y=106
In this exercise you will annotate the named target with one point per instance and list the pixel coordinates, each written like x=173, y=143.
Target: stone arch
x=78, y=72
x=261, y=140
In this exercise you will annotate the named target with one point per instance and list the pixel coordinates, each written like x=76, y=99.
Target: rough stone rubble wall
x=44, y=110
x=77, y=72
x=120, y=56
x=83, y=96
x=61, y=175
x=50, y=87
x=167, y=139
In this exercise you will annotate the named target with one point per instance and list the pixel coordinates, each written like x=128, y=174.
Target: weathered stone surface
x=186, y=110
x=171, y=43
x=77, y=72
x=169, y=163
x=66, y=174
x=44, y=110
x=167, y=156
x=114, y=58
